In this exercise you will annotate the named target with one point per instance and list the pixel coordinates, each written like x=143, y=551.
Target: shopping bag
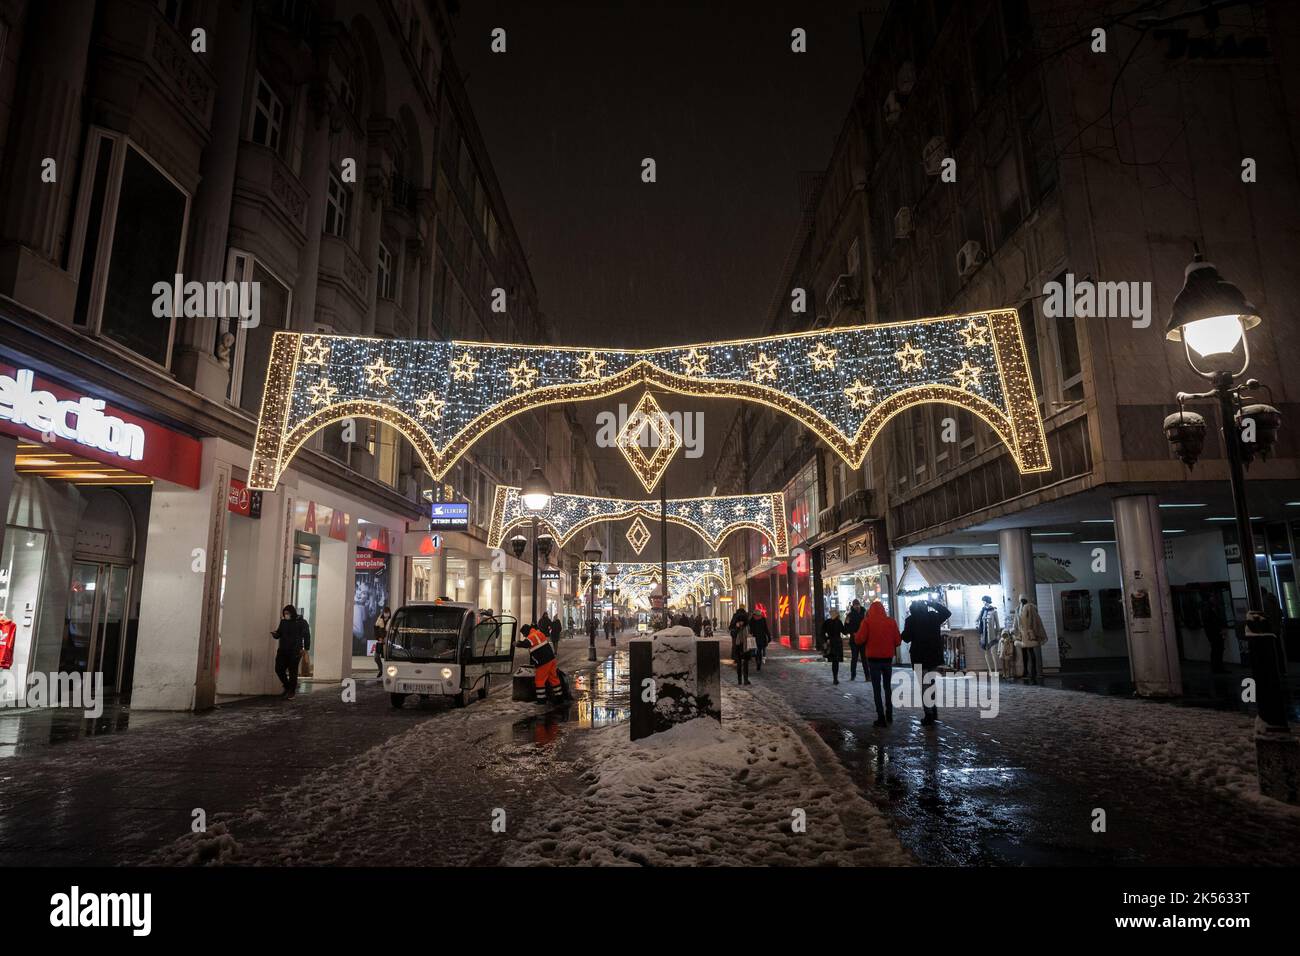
x=750, y=643
x=304, y=664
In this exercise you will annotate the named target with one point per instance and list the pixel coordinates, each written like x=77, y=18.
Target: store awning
x=971, y=570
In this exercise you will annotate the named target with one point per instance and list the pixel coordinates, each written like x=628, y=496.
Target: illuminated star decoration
x=638, y=535
x=910, y=358
x=431, y=406
x=648, y=420
x=968, y=376
x=695, y=363
x=860, y=394
x=822, y=357
x=322, y=393
x=909, y=362
x=764, y=368
x=974, y=334
x=463, y=367
x=592, y=365
x=712, y=518
x=316, y=352
x=377, y=372
x=522, y=375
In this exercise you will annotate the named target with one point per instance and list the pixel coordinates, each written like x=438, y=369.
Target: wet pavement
x=1025, y=787
x=303, y=777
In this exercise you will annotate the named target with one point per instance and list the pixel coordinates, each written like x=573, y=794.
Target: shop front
x=77, y=492
x=855, y=566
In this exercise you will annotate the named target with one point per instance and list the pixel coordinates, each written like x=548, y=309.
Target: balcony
x=264, y=182
x=845, y=294
x=856, y=506
x=343, y=267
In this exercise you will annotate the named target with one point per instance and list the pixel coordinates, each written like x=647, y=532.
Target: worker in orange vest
x=546, y=669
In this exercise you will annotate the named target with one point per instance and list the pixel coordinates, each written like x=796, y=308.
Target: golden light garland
x=713, y=518
x=638, y=535
x=648, y=417
x=315, y=380
x=684, y=577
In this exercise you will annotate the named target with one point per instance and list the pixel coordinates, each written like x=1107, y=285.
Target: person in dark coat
x=762, y=636
x=833, y=643
x=293, y=637
x=921, y=631
x=851, y=625
x=556, y=631
x=381, y=635
x=738, y=620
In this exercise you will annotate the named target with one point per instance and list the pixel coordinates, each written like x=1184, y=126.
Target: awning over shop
x=971, y=570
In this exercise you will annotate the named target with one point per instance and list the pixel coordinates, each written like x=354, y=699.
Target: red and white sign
x=369, y=561
x=60, y=418
x=242, y=501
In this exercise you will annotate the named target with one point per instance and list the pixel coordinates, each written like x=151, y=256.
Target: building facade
x=322, y=154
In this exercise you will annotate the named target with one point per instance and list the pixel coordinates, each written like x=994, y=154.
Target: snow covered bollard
x=675, y=677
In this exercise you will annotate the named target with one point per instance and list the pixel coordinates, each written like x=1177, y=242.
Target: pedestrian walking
x=555, y=632
x=741, y=641
x=833, y=643
x=990, y=633
x=921, y=631
x=293, y=637
x=852, y=623
x=1212, y=622
x=381, y=638
x=1031, y=635
x=880, y=643
x=761, y=635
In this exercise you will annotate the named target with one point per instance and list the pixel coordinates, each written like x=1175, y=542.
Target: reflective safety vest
x=540, y=649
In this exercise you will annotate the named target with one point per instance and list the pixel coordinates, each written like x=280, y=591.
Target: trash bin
x=522, y=688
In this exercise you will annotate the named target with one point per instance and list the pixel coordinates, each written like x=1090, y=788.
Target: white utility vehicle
x=444, y=648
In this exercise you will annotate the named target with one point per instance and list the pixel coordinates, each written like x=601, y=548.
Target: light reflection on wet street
x=600, y=698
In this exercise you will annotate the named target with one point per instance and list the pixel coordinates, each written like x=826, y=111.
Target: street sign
x=450, y=514
x=549, y=574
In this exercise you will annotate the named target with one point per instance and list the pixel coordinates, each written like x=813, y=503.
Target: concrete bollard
x=675, y=677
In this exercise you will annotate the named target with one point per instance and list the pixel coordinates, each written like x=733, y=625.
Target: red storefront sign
x=61, y=418
x=242, y=501
x=369, y=561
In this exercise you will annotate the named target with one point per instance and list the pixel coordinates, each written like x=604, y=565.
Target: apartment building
x=322, y=151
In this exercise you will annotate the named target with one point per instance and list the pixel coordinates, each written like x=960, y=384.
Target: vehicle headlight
x=446, y=673
x=392, y=671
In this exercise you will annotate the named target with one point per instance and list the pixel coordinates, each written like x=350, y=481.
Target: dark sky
x=713, y=93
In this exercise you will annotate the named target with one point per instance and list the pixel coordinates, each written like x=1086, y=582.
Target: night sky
x=714, y=94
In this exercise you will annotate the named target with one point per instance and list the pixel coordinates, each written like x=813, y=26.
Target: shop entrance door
x=96, y=635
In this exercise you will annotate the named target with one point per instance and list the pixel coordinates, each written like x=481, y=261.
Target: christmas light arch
x=712, y=518
x=842, y=383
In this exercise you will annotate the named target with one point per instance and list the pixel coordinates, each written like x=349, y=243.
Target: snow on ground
x=1077, y=732
x=704, y=794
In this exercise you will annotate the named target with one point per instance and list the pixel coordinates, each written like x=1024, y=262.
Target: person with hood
x=1031, y=635
x=833, y=643
x=922, y=632
x=762, y=636
x=880, y=640
x=852, y=624
x=739, y=619
x=293, y=636
x=990, y=633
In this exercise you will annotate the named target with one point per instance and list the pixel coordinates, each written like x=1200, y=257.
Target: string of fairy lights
x=842, y=383
x=713, y=518
x=637, y=580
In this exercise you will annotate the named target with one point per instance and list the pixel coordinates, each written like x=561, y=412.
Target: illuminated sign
x=82, y=420
x=451, y=514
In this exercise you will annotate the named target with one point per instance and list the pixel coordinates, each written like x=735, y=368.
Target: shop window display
x=21, y=565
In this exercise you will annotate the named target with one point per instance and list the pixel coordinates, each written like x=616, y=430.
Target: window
x=266, y=125
x=1069, y=366
x=1007, y=189
x=384, y=273
x=1036, y=138
x=386, y=456
x=988, y=56
x=1029, y=329
x=171, y=11
x=129, y=234
x=338, y=206
x=250, y=347
x=346, y=84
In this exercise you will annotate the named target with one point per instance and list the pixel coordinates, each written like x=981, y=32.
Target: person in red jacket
x=880, y=639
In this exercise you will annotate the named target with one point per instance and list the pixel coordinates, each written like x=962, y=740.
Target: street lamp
x=536, y=495
x=1210, y=317
x=593, y=552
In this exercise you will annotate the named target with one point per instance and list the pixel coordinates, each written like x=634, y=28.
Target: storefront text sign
x=64, y=419
x=242, y=501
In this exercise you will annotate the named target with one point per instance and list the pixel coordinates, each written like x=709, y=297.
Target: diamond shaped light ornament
x=638, y=536
x=648, y=417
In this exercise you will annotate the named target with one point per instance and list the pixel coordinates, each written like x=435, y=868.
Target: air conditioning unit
x=933, y=155
x=893, y=108
x=969, y=258
x=906, y=78
x=903, y=222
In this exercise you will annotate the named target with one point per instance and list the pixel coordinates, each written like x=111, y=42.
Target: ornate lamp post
x=536, y=495
x=1211, y=317
x=593, y=552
